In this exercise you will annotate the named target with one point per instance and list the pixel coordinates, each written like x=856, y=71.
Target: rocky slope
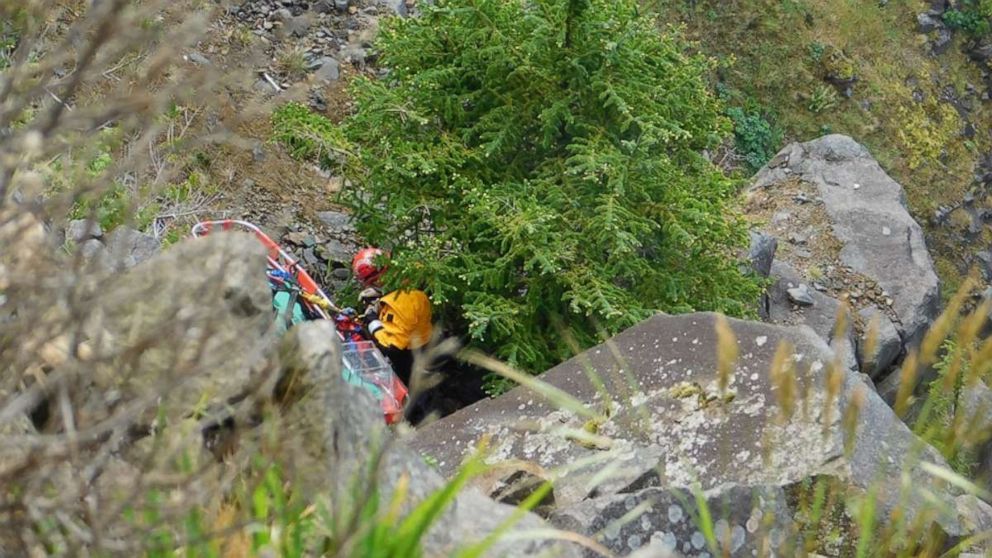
x=844, y=233
x=176, y=378
x=796, y=410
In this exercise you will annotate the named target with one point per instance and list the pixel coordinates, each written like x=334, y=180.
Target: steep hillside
x=868, y=70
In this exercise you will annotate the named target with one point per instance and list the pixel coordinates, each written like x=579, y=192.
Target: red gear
x=364, y=267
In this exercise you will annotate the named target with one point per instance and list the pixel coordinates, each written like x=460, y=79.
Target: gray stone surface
x=93, y=250
x=942, y=42
x=127, y=248
x=888, y=387
x=761, y=253
x=800, y=295
x=821, y=315
x=81, y=230
x=862, y=202
x=344, y=431
x=200, y=312
x=888, y=344
x=198, y=59
x=673, y=403
x=329, y=69
x=747, y=520
x=336, y=221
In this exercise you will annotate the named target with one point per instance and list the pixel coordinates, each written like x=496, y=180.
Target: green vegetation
x=536, y=166
x=307, y=135
x=267, y=516
x=794, y=61
x=756, y=139
x=972, y=16
x=943, y=408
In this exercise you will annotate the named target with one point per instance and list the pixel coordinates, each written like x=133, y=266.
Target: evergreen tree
x=537, y=164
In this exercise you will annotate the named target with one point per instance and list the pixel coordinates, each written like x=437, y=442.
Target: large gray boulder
x=201, y=314
x=124, y=371
x=867, y=214
x=751, y=520
x=341, y=427
x=665, y=425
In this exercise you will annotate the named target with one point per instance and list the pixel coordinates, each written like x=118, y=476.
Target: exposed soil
x=793, y=212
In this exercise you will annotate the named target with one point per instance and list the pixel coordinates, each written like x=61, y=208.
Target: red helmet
x=364, y=267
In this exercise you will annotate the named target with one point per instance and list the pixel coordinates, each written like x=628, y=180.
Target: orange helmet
x=364, y=267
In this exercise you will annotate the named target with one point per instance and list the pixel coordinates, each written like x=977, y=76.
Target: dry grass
x=291, y=61
x=82, y=473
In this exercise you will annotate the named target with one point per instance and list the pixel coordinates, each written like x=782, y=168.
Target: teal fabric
x=280, y=300
x=355, y=379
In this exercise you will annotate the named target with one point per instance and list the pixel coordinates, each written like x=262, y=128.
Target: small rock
x=324, y=6
x=310, y=258
x=258, y=153
x=329, y=69
x=938, y=7
x=801, y=197
x=926, y=23
x=801, y=296
x=781, y=217
x=335, y=251
x=341, y=5
x=981, y=51
x=92, y=249
x=317, y=101
x=762, y=252
x=80, y=230
x=314, y=62
x=297, y=26
x=129, y=247
x=356, y=55
x=941, y=214
x=336, y=221
x=198, y=59
x=334, y=184
x=341, y=273
x=886, y=231
x=296, y=237
x=263, y=86
x=985, y=267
